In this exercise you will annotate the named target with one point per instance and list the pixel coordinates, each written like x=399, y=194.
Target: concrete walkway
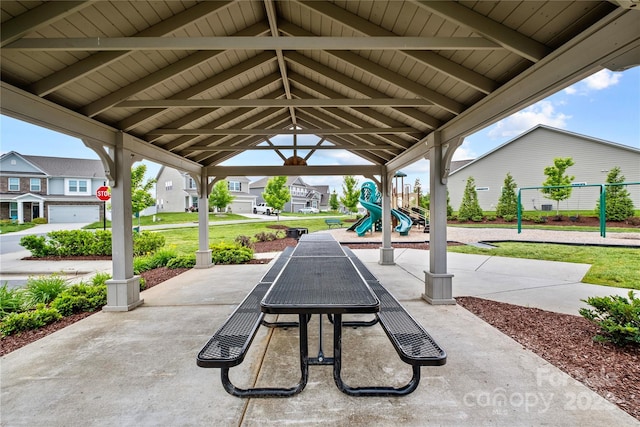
x=138, y=368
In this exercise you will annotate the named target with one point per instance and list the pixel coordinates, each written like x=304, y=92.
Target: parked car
x=262, y=208
x=308, y=210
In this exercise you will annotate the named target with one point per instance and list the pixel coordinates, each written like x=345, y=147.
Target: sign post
x=104, y=194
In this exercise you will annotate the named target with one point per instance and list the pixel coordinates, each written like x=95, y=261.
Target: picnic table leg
x=276, y=391
x=364, y=391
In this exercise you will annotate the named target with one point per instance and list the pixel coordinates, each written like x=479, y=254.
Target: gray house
x=176, y=192
x=62, y=190
x=526, y=156
x=303, y=195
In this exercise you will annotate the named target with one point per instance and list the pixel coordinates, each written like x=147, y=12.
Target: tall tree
x=417, y=188
x=618, y=203
x=276, y=193
x=556, y=177
x=470, y=207
x=220, y=196
x=334, y=204
x=508, y=202
x=350, y=193
x=141, y=197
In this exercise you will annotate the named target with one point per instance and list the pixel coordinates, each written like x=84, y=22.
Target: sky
x=605, y=105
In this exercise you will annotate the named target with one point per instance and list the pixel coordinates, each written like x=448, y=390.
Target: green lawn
x=174, y=218
x=618, y=267
x=10, y=227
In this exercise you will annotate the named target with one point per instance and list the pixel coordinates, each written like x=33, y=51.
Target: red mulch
x=566, y=341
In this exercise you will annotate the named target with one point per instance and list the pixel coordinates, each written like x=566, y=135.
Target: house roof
x=538, y=128
x=191, y=84
x=64, y=166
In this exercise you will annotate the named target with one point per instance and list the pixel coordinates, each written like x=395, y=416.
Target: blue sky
x=605, y=105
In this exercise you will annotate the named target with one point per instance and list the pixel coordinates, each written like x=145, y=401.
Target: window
x=35, y=184
x=168, y=185
x=14, y=184
x=13, y=210
x=235, y=186
x=77, y=187
x=191, y=184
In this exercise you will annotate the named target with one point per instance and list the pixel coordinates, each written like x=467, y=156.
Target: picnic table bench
x=333, y=222
x=230, y=343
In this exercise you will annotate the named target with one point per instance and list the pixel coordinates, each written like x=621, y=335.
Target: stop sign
x=103, y=193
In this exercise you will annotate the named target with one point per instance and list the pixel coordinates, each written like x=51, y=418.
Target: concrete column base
x=438, y=288
x=386, y=256
x=203, y=259
x=123, y=295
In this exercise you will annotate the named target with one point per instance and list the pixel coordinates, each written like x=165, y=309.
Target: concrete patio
x=138, y=368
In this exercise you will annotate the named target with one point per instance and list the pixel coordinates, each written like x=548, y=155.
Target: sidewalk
x=138, y=368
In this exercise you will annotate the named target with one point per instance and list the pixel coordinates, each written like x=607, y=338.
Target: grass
x=9, y=227
x=619, y=267
x=174, y=218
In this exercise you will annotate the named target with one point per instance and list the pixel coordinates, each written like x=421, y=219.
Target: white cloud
x=464, y=152
x=542, y=112
x=601, y=80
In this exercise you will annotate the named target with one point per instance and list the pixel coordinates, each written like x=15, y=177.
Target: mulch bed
x=566, y=342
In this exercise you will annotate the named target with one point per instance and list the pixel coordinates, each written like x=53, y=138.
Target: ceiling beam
x=256, y=131
x=430, y=59
x=95, y=62
x=309, y=102
x=132, y=44
x=308, y=170
x=506, y=37
x=223, y=147
x=36, y=18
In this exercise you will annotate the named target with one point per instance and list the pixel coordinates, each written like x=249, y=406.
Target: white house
x=303, y=195
x=177, y=192
x=526, y=156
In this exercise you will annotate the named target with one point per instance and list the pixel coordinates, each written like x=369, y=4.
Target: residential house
x=525, y=158
x=176, y=191
x=303, y=195
x=62, y=190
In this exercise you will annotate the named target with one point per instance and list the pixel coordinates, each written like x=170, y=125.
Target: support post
x=203, y=254
x=386, y=251
x=438, y=283
x=123, y=290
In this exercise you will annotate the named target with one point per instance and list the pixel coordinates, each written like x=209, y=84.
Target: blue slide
x=375, y=212
x=404, y=222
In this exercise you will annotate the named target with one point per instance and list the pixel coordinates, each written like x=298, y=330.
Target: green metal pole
x=603, y=211
x=519, y=211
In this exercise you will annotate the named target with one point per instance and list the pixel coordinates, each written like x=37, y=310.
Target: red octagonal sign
x=103, y=193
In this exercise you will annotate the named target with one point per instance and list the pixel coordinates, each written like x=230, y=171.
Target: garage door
x=74, y=214
x=241, y=206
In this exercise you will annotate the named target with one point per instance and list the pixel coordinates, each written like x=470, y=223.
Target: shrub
x=618, y=204
x=162, y=257
x=477, y=218
x=229, y=253
x=183, y=261
x=617, y=317
x=470, y=207
x=266, y=237
x=11, y=300
x=244, y=241
x=491, y=217
x=39, y=221
x=508, y=202
x=26, y=320
x=36, y=245
x=44, y=289
x=508, y=218
x=102, y=243
x=100, y=278
x=142, y=264
x=80, y=297
x=146, y=242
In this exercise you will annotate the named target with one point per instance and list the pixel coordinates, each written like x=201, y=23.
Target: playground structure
x=370, y=199
x=407, y=202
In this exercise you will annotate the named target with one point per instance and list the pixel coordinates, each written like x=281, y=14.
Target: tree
x=508, y=202
x=141, y=198
x=276, y=193
x=417, y=188
x=334, y=204
x=350, y=193
x=556, y=177
x=470, y=208
x=220, y=196
x=425, y=201
x=618, y=203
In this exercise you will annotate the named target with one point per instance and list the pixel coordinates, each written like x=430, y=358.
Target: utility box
x=546, y=207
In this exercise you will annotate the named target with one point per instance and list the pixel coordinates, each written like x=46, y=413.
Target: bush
x=27, y=320
x=508, y=218
x=11, y=300
x=44, y=289
x=617, y=317
x=80, y=297
x=39, y=221
x=146, y=242
x=36, y=245
x=142, y=264
x=266, y=237
x=470, y=207
x=162, y=257
x=183, y=261
x=229, y=253
x=244, y=241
